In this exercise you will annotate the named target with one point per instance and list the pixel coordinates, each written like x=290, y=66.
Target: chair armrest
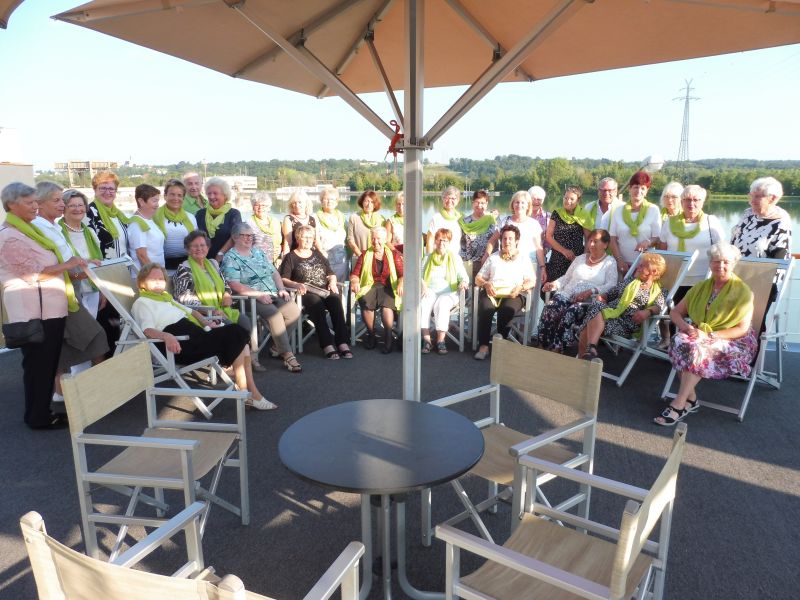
x=149, y=341
x=228, y=394
x=130, y=441
x=519, y=562
x=183, y=520
x=346, y=564
x=551, y=436
x=578, y=476
x=469, y=394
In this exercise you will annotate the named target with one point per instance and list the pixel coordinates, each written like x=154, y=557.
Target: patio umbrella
x=6, y=8
x=348, y=47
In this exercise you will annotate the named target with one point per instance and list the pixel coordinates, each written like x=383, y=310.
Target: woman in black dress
x=565, y=233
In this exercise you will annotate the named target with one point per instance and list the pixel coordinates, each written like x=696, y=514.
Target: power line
x=683, y=149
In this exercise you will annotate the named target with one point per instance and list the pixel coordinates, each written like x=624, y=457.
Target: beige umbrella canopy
x=349, y=47
x=6, y=8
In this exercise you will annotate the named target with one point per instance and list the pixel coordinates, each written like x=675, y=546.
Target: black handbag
x=25, y=332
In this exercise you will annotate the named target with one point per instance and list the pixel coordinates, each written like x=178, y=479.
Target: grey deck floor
x=735, y=531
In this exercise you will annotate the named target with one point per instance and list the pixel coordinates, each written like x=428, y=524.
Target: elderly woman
x=671, y=200
x=538, y=194
x=443, y=274
x=163, y=319
x=715, y=338
x=503, y=279
x=591, y=274
x=250, y=272
x=299, y=215
x=108, y=221
x=82, y=241
x=623, y=310
x=36, y=285
x=145, y=239
x=566, y=233
x=331, y=233
x=765, y=230
x=266, y=228
x=396, y=224
x=219, y=217
x=377, y=282
x=447, y=217
x=361, y=223
x=306, y=270
x=635, y=227
x=477, y=229
x=175, y=223
x=530, y=231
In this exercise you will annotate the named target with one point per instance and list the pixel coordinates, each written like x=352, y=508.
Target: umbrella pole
x=413, y=148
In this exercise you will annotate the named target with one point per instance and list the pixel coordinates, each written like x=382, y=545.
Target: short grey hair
x=261, y=198
x=332, y=192
x=299, y=196
x=14, y=192
x=608, y=180
x=694, y=189
x=45, y=188
x=452, y=189
x=241, y=228
x=673, y=188
x=221, y=184
x=768, y=186
x=722, y=250
x=70, y=194
x=537, y=191
x=381, y=230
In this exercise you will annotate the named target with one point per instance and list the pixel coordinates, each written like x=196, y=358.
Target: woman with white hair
x=447, y=216
x=299, y=215
x=715, y=338
x=765, y=230
x=266, y=228
x=331, y=233
x=219, y=217
x=530, y=231
x=671, y=200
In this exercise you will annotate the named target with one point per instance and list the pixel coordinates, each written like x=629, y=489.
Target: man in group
x=194, y=199
x=607, y=202
x=84, y=338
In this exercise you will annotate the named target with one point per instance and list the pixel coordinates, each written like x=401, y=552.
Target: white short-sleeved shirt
x=601, y=220
x=507, y=274
x=154, y=314
x=439, y=222
x=55, y=234
x=650, y=228
x=530, y=236
x=152, y=240
x=710, y=233
x=176, y=233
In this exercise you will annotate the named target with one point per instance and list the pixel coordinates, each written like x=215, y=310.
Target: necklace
x=72, y=229
x=591, y=262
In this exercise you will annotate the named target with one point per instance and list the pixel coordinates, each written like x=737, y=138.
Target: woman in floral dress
x=565, y=233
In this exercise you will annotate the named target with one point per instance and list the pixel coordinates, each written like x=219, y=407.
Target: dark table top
x=381, y=446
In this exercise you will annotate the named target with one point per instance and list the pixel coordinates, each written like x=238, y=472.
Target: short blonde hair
x=145, y=271
x=655, y=262
x=524, y=195
x=104, y=177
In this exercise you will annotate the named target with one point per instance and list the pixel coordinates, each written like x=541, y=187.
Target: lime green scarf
x=726, y=310
x=677, y=227
x=91, y=241
x=210, y=287
x=447, y=217
x=165, y=297
x=108, y=214
x=332, y=221
x=437, y=260
x=164, y=214
x=268, y=226
x=371, y=220
x=397, y=220
x=215, y=217
x=366, y=281
x=628, y=220
x=628, y=294
x=665, y=215
x=478, y=226
x=580, y=216
x=45, y=242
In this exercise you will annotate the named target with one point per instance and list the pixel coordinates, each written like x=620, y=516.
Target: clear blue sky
x=75, y=94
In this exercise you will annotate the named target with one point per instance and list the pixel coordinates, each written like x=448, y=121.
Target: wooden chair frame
x=114, y=280
x=169, y=454
x=562, y=379
x=546, y=559
x=759, y=274
x=678, y=265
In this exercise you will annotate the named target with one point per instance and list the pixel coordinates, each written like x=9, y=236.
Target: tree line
x=505, y=174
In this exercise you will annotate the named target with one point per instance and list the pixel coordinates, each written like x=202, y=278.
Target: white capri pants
x=441, y=305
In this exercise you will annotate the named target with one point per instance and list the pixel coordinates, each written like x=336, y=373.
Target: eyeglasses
x=246, y=236
x=75, y=206
x=609, y=190
x=106, y=189
x=198, y=246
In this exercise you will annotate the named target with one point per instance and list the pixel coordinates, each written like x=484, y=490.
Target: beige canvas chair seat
x=543, y=376
x=156, y=462
x=678, y=265
x=589, y=557
x=557, y=555
x=185, y=456
x=760, y=274
x=497, y=463
x=62, y=573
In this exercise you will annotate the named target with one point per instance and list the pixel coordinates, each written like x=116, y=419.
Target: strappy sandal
x=291, y=364
x=260, y=404
x=692, y=406
x=345, y=351
x=668, y=419
x=441, y=348
x=591, y=352
x=332, y=355
x=426, y=347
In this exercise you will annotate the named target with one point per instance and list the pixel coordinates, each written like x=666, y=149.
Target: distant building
x=80, y=172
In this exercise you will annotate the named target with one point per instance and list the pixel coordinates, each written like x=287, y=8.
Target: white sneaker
x=262, y=404
x=58, y=397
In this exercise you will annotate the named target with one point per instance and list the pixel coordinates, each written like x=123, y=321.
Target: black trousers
x=39, y=365
x=316, y=307
x=506, y=309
